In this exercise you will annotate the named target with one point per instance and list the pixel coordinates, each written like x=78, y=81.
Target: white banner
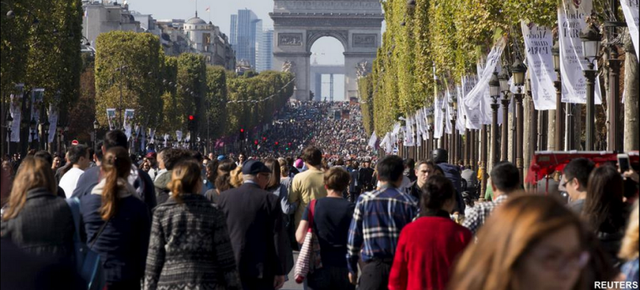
x=448, y=113
x=152, y=135
x=474, y=115
x=53, y=122
x=461, y=115
x=372, y=140
x=127, y=123
x=630, y=10
x=16, y=113
x=409, y=141
x=571, y=21
x=438, y=117
x=111, y=118
x=538, y=42
x=179, y=135
x=475, y=97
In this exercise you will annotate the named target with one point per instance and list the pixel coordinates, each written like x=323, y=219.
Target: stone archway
x=299, y=23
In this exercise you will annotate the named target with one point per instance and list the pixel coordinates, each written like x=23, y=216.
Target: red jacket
x=426, y=251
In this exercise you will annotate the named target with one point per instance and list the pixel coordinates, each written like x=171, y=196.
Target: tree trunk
x=631, y=90
x=527, y=132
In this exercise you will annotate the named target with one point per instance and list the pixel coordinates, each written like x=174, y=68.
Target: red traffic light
x=191, y=117
x=264, y=138
x=289, y=143
x=276, y=142
x=241, y=130
x=255, y=142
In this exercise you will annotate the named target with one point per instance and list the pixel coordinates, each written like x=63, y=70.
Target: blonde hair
x=32, y=173
x=116, y=164
x=513, y=229
x=236, y=177
x=185, y=178
x=629, y=248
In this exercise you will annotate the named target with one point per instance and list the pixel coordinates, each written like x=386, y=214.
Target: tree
x=192, y=88
x=215, y=120
x=128, y=73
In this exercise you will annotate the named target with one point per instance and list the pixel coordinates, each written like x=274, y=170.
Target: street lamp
x=494, y=90
x=555, y=51
x=519, y=70
x=590, y=48
x=503, y=77
x=430, y=131
x=9, y=126
x=45, y=133
x=96, y=126
x=32, y=126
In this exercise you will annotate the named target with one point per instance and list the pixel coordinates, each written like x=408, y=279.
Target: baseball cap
x=152, y=155
x=253, y=167
x=221, y=157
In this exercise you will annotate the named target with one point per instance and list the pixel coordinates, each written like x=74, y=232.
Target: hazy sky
x=325, y=51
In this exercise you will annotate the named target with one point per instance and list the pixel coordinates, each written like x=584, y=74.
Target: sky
x=326, y=50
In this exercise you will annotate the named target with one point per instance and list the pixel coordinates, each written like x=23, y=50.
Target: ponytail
x=116, y=165
x=110, y=196
x=185, y=178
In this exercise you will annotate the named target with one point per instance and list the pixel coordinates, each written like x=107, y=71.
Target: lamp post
x=615, y=140
x=558, y=85
x=96, y=126
x=44, y=128
x=590, y=48
x=503, y=79
x=32, y=127
x=454, y=132
x=519, y=69
x=430, y=146
x=494, y=89
x=9, y=125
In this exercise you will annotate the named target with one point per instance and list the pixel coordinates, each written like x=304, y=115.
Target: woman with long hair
x=280, y=190
x=428, y=247
x=176, y=259
x=222, y=181
x=605, y=210
x=530, y=242
x=117, y=222
x=36, y=220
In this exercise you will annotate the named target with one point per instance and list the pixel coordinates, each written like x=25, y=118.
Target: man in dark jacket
x=254, y=222
x=365, y=176
x=452, y=172
x=354, y=185
x=138, y=178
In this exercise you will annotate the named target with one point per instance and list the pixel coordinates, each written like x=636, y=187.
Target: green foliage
x=446, y=36
x=40, y=47
x=215, y=121
x=129, y=73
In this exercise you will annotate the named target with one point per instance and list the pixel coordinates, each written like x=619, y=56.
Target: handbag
x=309, y=258
x=88, y=262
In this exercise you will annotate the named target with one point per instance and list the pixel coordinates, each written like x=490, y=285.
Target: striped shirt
x=378, y=218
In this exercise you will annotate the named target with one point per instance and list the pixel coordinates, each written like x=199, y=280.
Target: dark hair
x=77, y=151
x=435, y=193
x=505, y=177
x=410, y=163
x=339, y=162
x=44, y=155
x=115, y=138
x=223, y=181
x=98, y=153
x=197, y=156
x=390, y=168
x=579, y=168
x=117, y=164
x=172, y=156
x=604, y=209
x=274, y=166
x=212, y=166
x=312, y=156
x=436, y=169
x=337, y=179
x=185, y=178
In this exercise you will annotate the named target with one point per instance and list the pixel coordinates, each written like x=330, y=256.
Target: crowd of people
x=182, y=220
x=334, y=127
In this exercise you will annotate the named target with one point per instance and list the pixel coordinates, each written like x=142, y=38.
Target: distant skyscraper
x=264, y=51
x=243, y=35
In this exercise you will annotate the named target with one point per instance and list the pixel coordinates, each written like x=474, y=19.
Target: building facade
x=245, y=27
x=100, y=17
x=264, y=51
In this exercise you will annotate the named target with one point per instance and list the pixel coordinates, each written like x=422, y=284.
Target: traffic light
x=191, y=123
x=277, y=143
x=241, y=133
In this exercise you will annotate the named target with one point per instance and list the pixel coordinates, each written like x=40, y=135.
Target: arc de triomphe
x=299, y=23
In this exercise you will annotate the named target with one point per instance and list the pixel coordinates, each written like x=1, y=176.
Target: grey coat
x=44, y=226
x=189, y=247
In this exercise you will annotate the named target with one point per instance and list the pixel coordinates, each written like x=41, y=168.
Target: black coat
x=254, y=220
x=44, y=226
